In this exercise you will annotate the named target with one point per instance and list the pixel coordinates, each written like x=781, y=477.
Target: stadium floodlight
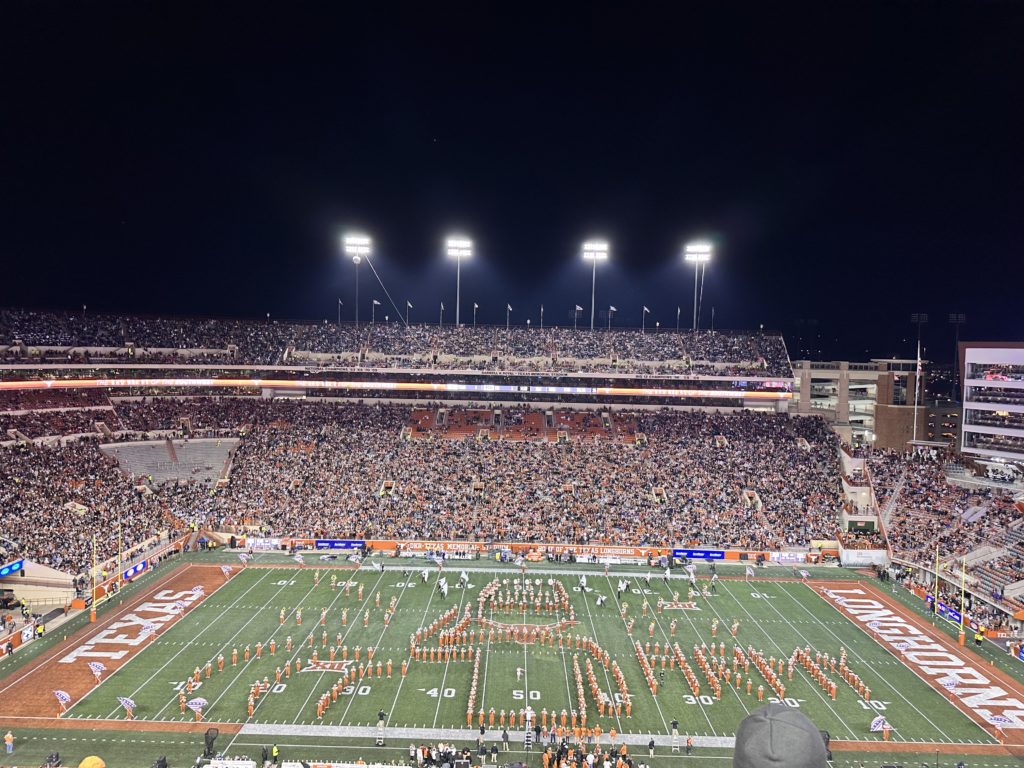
x=357, y=247
x=594, y=251
x=699, y=254
x=458, y=248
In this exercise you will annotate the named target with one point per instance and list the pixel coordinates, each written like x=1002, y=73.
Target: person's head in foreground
x=777, y=736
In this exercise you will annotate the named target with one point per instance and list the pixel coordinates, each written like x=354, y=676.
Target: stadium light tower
x=458, y=248
x=357, y=247
x=594, y=251
x=698, y=254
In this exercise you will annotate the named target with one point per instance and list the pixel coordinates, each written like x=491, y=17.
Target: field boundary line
x=224, y=644
x=700, y=639
x=860, y=658
x=277, y=628
x=939, y=637
x=440, y=698
x=376, y=646
x=632, y=655
x=184, y=648
x=409, y=658
x=810, y=682
x=92, y=629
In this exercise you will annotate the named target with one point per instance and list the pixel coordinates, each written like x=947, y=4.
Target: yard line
x=487, y=661
x=561, y=651
x=810, y=682
x=423, y=618
x=135, y=601
x=440, y=697
x=686, y=615
x=242, y=668
x=607, y=678
x=526, y=653
x=184, y=648
x=352, y=698
x=854, y=652
x=632, y=648
x=298, y=647
x=362, y=607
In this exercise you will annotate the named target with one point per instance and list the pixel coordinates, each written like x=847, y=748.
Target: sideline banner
x=700, y=554
x=338, y=543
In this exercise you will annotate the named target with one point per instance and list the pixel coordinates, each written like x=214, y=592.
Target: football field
x=260, y=605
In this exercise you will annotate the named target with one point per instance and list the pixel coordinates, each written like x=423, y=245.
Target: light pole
x=699, y=254
x=357, y=247
x=458, y=248
x=594, y=251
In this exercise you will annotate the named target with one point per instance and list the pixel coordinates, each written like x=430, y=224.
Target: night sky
x=852, y=162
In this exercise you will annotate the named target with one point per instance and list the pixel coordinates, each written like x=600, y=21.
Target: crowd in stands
x=862, y=539
x=54, y=499
x=325, y=469
x=393, y=344
x=35, y=399
x=34, y=424
x=931, y=513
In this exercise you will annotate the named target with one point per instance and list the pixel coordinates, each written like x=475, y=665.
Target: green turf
x=774, y=617
x=125, y=750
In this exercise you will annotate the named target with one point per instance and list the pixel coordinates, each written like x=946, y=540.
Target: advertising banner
x=339, y=543
x=135, y=570
x=700, y=554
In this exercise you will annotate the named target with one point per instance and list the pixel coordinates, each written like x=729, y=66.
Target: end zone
x=115, y=640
